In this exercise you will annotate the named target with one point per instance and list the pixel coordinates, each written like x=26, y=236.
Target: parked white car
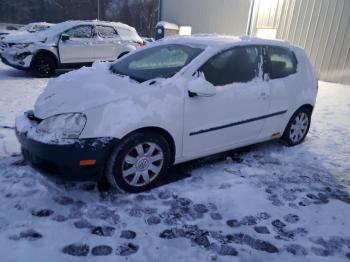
x=68, y=45
x=176, y=100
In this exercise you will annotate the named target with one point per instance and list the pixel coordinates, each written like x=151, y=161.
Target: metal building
x=322, y=27
x=208, y=16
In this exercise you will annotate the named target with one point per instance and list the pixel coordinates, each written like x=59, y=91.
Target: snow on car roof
x=115, y=24
x=41, y=23
x=219, y=41
x=59, y=28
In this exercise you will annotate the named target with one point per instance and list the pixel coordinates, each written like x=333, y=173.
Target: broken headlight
x=63, y=126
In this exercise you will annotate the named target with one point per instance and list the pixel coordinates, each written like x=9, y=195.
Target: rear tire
x=43, y=65
x=298, y=127
x=139, y=162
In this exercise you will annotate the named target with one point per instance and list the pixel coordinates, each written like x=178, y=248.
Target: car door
x=282, y=78
x=79, y=47
x=236, y=114
x=107, y=43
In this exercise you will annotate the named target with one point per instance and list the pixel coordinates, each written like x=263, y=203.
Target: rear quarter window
x=282, y=62
x=128, y=34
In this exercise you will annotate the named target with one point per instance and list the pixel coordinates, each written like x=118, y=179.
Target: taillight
x=140, y=43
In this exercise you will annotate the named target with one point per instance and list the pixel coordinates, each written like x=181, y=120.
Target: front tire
x=298, y=127
x=139, y=162
x=43, y=65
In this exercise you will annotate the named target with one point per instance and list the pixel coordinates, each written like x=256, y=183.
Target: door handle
x=264, y=95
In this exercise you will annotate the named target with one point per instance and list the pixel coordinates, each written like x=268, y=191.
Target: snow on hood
x=24, y=38
x=41, y=35
x=83, y=89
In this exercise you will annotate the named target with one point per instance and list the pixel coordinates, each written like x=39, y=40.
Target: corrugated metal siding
x=208, y=16
x=322, y=27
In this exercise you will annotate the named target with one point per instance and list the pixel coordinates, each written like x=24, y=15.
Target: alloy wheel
x=299, y=127
x=142, y=164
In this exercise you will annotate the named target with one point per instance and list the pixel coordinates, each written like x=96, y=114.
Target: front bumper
x=19, y=61
x=63, y=160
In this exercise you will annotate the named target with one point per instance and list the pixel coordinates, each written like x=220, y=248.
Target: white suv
x=69, y=44
x=176, y=100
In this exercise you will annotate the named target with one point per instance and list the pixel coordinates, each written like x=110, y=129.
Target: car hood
x=84, y=89
x=24, y=38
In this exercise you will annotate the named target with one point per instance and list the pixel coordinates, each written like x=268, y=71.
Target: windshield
x=34, y=27
x=156, y=62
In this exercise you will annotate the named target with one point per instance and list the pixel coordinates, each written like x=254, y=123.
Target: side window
x=282, y=62
x=237, y=65
x=106, y=31
x=83, y=31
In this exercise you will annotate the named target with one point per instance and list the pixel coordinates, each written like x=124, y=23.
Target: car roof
x=41, y=23
x=107, y=23
x=61, y=27
x=223, y=41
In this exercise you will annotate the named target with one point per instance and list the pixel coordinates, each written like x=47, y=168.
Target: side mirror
x=65, y=37
x=201, y=87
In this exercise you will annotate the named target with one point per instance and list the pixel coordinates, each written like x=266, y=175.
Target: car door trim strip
x=237, y=123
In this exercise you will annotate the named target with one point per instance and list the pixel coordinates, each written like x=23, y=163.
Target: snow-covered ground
x=264, y=203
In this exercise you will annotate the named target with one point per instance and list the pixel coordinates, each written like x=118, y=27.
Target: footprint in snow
x=82, y=223
x=296, y=250
x=105, y=231
x=291, y=218
x=29, y=234
x=126, y=249
x=42, y=212
x=262, y=230
x=128, y=234
x=153, y=220
x=78, y=250
x=216, y=216
x=102, y=250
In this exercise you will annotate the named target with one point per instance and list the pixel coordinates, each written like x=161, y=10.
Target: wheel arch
x=307, y=106
x=46, y=52
x=164, y=133
x=123, y=54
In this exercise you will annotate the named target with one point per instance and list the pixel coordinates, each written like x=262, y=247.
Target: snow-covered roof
x=215, y=40
x=59, y=28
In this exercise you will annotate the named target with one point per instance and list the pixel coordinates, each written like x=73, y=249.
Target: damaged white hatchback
x=174, y=101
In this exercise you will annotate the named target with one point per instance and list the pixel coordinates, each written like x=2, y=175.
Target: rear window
x=106, y=31
x=282, y=62
x=128, y=34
